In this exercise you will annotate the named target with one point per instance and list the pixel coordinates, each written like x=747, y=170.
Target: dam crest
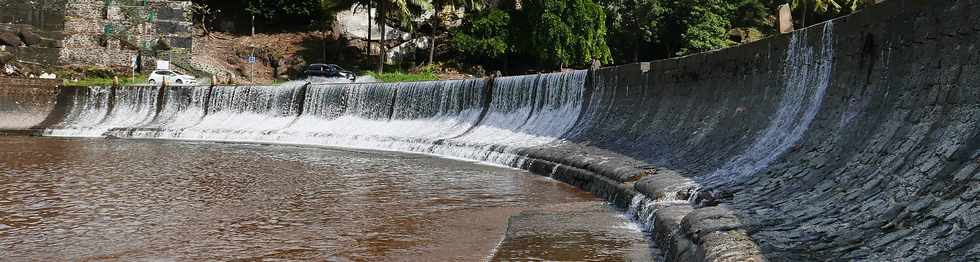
x=855, y=139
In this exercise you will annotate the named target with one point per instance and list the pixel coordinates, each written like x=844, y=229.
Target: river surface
x=123, y=200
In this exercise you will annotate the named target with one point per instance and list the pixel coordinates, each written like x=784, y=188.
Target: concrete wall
x=857, y=139
x=26, y=103
x=887, y=169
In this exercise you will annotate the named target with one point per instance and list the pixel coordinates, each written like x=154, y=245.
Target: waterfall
x=525, y=111
x=246, y=113
x=806, y=75
x=401, y=116
x=468, y=119
x=92, y=108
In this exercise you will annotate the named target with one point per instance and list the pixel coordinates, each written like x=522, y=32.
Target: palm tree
x=334, y=6
x=404, y=11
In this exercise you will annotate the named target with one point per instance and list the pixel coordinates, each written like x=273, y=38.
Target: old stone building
x=104, y=33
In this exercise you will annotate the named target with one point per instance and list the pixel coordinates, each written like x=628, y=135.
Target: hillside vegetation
x=480, y=37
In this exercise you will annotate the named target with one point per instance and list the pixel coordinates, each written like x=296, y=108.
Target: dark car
x=329, y=70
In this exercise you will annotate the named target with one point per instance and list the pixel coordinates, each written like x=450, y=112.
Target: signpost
x=133, y=69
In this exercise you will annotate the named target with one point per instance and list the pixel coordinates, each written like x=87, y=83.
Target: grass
x=98, y=81
x=400, y=76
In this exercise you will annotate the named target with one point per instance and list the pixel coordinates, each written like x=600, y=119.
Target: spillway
x=855, y=139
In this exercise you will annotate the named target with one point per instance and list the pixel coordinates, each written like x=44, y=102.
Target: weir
x=850, y=140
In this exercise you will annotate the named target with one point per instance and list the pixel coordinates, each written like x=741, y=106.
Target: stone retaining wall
x=94, y=33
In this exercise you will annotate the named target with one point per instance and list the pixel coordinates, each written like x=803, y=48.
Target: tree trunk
x=370, y=22
x=324, y=39
x=382, y=17
x=432, y=40
x=636, y=50
x=415, y=48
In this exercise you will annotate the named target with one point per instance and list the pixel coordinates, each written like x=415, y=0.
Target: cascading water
x=462, y=118
x=807, y=76
x=246, y=113
x=525, y=111
x=402, y=116
x=182, y=108
x=88, y=110
x=131, y=107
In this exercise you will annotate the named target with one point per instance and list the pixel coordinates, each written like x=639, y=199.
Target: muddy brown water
x=104, y=199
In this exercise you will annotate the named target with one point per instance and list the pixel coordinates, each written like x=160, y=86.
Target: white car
x=170, y=77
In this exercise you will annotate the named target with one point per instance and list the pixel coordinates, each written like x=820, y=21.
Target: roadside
x=283, y=56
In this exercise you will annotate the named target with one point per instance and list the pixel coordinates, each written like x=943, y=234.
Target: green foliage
x=485, y=36
x=563, y=32
x=391, y=77
x=634, y=26
x=284, y=11
x=107, y=81
x=808, y=12
x=405, y=10
x=830, y=7
x=704, y=24
x=545, y=34
x=98, y=72
x=755, y=14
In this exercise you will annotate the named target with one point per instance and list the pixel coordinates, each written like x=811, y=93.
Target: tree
x=704, y=24
x=284, y=13
x=204, y=15
x=436, y=20
x=485, y=36
x=634, y=26
x=561, y=33
x=815, y=11
x=404, y=11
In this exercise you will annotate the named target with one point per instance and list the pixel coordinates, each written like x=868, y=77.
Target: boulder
x=29, y=38
x=9, y=70
x=11, y=39
x=6, y=58
x=163, y=44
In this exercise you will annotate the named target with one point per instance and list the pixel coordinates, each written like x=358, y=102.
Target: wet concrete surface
x=124, y=200
x=567, y=232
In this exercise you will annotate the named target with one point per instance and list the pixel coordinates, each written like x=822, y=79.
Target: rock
x=163, y=44
x=29, y=38
x=6, y=57
x=11, y=39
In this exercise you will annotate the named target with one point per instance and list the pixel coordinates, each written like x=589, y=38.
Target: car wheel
x=180, y=82
x=153, y=82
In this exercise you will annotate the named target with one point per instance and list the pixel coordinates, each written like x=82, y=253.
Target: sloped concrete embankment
x=855, y=139
x=26, y=103
x=850, y=140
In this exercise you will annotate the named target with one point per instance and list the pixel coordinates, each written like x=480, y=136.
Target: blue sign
x=251, y=59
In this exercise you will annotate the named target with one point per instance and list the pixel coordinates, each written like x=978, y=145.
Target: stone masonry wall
x=44, y=19
x=112, y=34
